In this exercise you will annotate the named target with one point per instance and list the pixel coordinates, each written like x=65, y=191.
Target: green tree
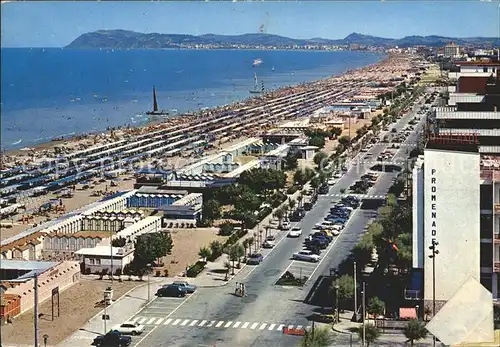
x=204, y=253
x=211, y=211
x=317, y=141
x=232, y=252
x=372, y=333
x=119, y=242
x=321, y=338
x=414, y=331
x=227, y=267
x=291, y=204
x=315, y=183
x=320, y=159
x=346, y=289
x=261, y=180
x=226, y=229
x=345, y=141
x=279, y=214
x=376, y=306
x=150, y=247
x=240, y=252
x=291, y=160
x=299, y=177
x=336, y=131
x=215, y=249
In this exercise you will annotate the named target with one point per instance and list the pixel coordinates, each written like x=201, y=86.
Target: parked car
x=129, y=328
x=113, y=338
x=306, y=255
x=270, y=242
x=171, y=290
x=255, y=259
x=285, y=225
x=190, y=288
x=295, y=232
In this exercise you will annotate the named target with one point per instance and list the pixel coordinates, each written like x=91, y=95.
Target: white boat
x=256, y=89
x=257, y=62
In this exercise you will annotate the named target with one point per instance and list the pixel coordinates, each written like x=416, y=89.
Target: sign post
x=45, y=339
x=55, y=292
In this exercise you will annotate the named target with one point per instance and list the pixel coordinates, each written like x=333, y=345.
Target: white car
x=337, y=175
x=306, y=255
x=319, y=226
x=129, y=328
x=286, y=225
x=270, y=242
x=331, y=182
x=295, y=232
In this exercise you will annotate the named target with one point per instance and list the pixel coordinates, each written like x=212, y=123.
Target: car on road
x=285, y=225
x=316, y=242
x=129, y=328
x=269, y=242
x=171, y=290
x=295, y=232
x=190, y=288
x=255, y=259
x=113, y=339
x=306, y=255
x=332, y=182
x=337, y=175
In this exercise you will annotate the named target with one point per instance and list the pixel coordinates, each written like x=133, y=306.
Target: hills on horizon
x=125, y=39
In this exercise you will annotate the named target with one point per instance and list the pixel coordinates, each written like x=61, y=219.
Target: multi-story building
x=456, y=201
x=474, y=112
x=451, y=50
x=475, y=68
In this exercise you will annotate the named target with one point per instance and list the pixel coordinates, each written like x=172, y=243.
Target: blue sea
x=48, y=93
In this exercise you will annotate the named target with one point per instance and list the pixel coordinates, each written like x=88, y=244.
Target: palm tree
x=291, y=204
x=251, y=241
x=240, y=252
x=300, y=198
x=227, y=267
x=371, y=333
x=320, y=338
x=279, y=214
x=245, y=245
x=204, y=253
x=415, y=330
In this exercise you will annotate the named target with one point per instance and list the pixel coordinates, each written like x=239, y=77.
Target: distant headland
x=124, y=39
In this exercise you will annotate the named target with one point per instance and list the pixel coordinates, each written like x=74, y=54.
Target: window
x=486, y=255
x=94, y=261
x=485, y=69
x=486, y=227
x=486, y=281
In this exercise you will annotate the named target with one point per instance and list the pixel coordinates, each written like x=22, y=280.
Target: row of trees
x=149, y=248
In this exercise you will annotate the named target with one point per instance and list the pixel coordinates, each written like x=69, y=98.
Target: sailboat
x=155, y=111
x=272, y=69
x=255, y=89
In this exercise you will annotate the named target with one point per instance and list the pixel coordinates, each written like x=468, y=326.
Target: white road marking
x=167, y=322
x=299, y=326
x=263, y=326
x=202, y=323
x=193, y=323
x=151, y=320
x=219, y=324
x=237, y=324
x=244, y=326
x=177, y=321
x=228, y=324
x=290, y=327
x=211, y=323
x=254, y=325
x=142, y=320
x=280, y=327
x=186, y=321
x=158, y=322
x=271, y=327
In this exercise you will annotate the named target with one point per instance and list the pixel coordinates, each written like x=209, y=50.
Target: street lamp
x=363, y=293
x=148, y=266
x=433, y=257
x=336, y=303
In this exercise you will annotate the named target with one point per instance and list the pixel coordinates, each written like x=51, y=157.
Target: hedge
x=292, y=189
x=235, y=237
x=195, y=269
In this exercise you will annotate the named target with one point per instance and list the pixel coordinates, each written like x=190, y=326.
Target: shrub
x=226, y=229
x=235, y=237
x=195, y=269
x=292, y=189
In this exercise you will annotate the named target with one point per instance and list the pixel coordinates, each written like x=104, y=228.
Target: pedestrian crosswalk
x=220, y=324
x=360, y=196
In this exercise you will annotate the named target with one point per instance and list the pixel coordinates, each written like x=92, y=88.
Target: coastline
x=178, y=118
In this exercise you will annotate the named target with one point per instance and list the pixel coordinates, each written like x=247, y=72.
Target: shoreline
x=272, y=93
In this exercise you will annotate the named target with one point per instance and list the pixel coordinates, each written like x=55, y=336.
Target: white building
x=99, y=258
x=451, y=199
x=451, y=50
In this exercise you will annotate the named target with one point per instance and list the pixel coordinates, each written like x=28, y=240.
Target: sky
x=56, y=24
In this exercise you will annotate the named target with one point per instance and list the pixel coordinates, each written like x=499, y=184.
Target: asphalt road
x=215, y=317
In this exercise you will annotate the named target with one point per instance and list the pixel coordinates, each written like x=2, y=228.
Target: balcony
x=411, y=294
x=496, y=266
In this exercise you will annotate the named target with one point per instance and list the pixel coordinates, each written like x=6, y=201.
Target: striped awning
x=407, y=313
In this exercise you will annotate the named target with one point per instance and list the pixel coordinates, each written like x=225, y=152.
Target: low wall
x=63, y=276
